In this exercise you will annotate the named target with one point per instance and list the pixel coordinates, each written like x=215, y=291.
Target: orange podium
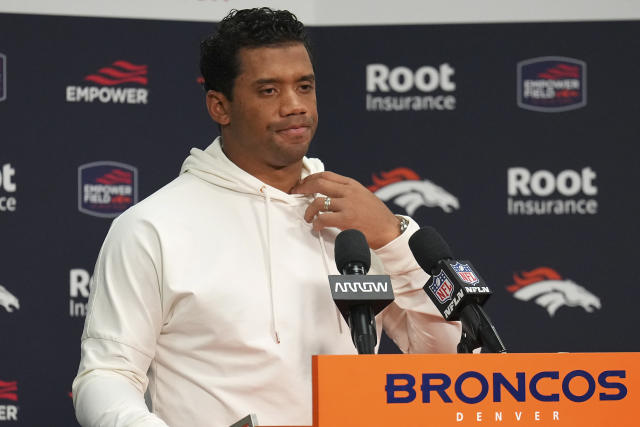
x=518, y=389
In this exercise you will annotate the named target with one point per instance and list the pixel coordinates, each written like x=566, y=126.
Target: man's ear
x=219, y=107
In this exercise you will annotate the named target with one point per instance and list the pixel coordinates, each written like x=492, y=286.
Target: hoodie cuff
x=396, y=255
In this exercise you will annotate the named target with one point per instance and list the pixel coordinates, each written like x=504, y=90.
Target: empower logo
x=405, y=188
x=118, y=73
x=106, y=189
x=8, y=392
x=552, y=84
x=548, y=289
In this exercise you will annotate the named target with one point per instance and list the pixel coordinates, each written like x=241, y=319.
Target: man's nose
x=292, y=103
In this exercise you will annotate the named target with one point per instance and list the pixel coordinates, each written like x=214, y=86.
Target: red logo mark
x=394, y=175
x=444, y=291
x=533, y=276
x=566, y=93
x=9, y=390
x=467, y=277
x=120, y=72
x=561, y=71
x=116, y=176
x=121, y=200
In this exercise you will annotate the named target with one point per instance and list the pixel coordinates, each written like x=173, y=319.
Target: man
x=211, y=295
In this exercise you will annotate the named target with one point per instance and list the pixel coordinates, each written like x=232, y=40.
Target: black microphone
x=359, y=296
x=456, y=290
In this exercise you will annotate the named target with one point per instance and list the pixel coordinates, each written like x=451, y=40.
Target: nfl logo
x=465, y=273
x=441, y=287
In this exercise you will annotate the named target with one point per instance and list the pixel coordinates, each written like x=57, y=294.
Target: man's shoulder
x=173, y=198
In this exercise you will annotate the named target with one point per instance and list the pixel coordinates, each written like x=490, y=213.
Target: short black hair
x=246, y=28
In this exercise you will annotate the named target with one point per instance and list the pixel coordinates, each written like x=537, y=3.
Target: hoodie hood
x=213, y=166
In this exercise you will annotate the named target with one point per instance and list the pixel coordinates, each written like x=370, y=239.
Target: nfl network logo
x=3, y=77
x=465, y=273
x=441, y=287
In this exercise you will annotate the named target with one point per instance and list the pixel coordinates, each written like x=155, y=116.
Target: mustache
x=293, y=123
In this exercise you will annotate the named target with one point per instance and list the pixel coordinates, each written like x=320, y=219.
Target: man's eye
x=306, y=87
x=268, y=91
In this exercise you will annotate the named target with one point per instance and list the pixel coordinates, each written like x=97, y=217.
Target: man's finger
x=318, y=205
x=320, y=185
x=327, y=219
x=328, y=175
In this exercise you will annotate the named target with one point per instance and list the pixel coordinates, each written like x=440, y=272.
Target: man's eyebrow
x=265, y=81
x=305, y=78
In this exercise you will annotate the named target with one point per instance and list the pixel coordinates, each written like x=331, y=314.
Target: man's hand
x=352, y=206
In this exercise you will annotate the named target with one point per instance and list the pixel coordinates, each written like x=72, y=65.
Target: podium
x=516, y=389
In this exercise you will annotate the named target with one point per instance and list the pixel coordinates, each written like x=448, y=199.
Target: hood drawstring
x=325, y=259
x=274, y=321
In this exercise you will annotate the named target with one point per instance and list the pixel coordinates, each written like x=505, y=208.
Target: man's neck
x=283, y=178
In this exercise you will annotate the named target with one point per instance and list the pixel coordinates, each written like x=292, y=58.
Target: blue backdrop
x=517, y=141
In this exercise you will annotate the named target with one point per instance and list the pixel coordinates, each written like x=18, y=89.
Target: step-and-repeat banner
x=517, y=141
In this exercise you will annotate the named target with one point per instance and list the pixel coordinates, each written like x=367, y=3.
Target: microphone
x=359, y=296
x=456, y=290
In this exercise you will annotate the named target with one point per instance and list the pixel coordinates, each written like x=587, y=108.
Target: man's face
x=273, y=115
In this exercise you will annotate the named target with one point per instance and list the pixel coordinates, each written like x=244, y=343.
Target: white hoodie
x=212, y=295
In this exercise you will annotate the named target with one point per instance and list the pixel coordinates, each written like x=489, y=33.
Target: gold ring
x=327, y=203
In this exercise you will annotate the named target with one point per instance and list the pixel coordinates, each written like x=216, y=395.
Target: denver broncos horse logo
x=404, y=187
x=545, y=286
x=7, y=300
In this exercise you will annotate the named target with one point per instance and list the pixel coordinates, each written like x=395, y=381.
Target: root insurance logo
x=114, y=83
x=542, y=192
x=8, y=188
x=428, y=88
x=79, y=284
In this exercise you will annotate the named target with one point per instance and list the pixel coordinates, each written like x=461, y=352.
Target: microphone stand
x=363, y=329
x=361, y=319
x=478, y=331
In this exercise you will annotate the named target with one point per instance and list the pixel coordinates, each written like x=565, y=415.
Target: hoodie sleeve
x=122, y=324
x=411, y=320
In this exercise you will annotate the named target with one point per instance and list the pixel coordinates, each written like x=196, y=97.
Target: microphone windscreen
x=428, y=247
x=351, y=247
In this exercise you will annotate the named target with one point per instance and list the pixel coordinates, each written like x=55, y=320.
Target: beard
x=281, y=156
